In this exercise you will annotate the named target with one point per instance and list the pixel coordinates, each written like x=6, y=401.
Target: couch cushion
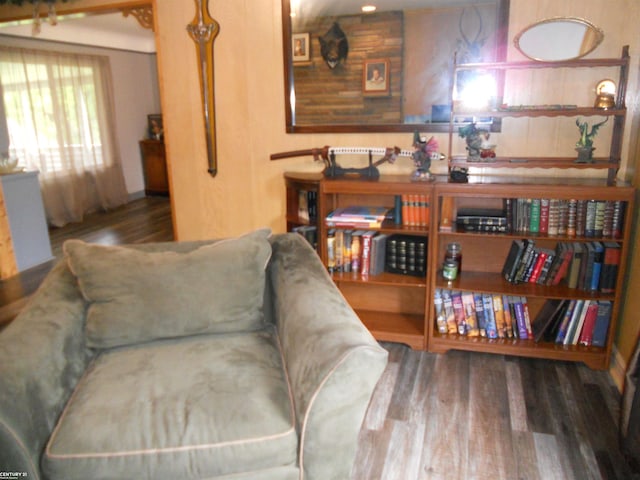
x=194, y=407
x=137, y=296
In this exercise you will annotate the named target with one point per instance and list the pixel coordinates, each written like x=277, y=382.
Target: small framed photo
x=300, y=47
x=155, y=127
x=375, y=77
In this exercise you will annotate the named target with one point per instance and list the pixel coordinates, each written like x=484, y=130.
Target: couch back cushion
x=137, y=296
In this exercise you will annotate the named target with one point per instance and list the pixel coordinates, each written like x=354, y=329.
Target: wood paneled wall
x=335, y=96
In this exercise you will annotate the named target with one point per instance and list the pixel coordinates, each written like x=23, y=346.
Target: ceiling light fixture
x=368, y=8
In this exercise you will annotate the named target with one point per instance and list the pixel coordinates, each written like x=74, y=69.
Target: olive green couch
x=231, y=359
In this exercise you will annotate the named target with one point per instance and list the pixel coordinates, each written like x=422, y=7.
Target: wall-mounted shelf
x=611, y=163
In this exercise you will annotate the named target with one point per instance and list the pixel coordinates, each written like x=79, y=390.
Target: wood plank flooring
x=144, y=220
x=462, y=416
x=456, y=416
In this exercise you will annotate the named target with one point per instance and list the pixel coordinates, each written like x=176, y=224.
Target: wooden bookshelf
x=400, y=308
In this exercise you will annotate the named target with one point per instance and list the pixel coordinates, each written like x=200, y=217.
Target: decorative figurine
x=423, y=152
x=478, y=146
x=584, y=146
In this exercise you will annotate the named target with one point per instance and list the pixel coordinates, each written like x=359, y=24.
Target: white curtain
x=60, y=116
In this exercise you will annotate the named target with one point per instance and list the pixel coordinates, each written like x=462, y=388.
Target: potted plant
x=584, y=145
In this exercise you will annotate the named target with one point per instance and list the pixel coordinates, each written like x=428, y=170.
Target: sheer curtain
x=59, y=110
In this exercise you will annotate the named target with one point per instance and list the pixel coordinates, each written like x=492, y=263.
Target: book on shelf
x=590, y=219
x=544, y=216
x=525, y=261
x=508, y=318
x=470, y=317
x=512, y=261
x=377, y=254
x=367, y=235
x=571, y=217
x=592, y=282
x=480, y=315
x=358, y=216
x=452, y=326
x=498, y=314
x=346, y=250
x=586, y=334
x=564, y=324
x=603, y=318
x=581, y=212
x=515, y=303
x=414, y=210
x=534, y=215
x=458, y=311
x=617, y=221
x=599, y=218
x=576, y=262
x=489, y=316
x=407, y=255
x=551, y=310
x=563, y=217
x=573, y=323
x=440, y=313
x=561, y=270
x=610, y=265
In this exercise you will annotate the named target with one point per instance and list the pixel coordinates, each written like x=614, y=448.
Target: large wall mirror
x=333, y=50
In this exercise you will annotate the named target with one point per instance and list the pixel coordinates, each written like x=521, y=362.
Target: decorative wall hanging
x=203, y=30
x=334, y=46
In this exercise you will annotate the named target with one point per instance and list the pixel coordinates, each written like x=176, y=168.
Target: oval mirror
x=559, y=39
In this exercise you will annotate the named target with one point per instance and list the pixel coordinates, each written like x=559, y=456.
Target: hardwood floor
x=462, y=416
x=144, y=220
x=456, y=416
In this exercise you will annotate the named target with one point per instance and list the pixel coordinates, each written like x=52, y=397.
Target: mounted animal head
x=334, y=46
x=470, y=49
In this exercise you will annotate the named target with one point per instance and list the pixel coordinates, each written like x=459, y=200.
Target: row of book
x=414, y=210
x=566, y=322
x=307, y=206
x=482, y=314
x=367, y=252
x=591, y=266
x=571, y=218
x=408, y=211
x=574, y=322
x=544, y=216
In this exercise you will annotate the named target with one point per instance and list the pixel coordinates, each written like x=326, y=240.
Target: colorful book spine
x=520, y=319
x=544, y=215
x=471, y=321
x=490, y=320
x=480, y=315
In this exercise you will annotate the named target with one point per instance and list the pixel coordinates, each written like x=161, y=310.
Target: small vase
x=585, y=154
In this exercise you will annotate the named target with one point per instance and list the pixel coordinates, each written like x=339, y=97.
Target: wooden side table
x=154, y=165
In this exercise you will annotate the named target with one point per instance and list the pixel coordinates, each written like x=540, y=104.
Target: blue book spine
x=602, y=324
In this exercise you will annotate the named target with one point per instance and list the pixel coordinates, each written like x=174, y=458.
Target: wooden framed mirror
x=418, y=39
x=558, y=39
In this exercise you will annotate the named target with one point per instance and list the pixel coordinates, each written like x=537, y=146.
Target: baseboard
x=136, y=195
x=617, y=369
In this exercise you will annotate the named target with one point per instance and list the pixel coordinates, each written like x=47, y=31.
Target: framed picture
x=300, y=47
x=375, y=77
x=155, y=127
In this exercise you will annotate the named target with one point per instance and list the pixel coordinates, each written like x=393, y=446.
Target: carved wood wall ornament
x=144, y=15
x=203, y=30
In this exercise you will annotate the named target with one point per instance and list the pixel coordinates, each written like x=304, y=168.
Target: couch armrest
x=332, y=360
x=42, y=356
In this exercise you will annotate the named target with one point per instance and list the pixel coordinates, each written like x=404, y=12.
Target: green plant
x=586, y=136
